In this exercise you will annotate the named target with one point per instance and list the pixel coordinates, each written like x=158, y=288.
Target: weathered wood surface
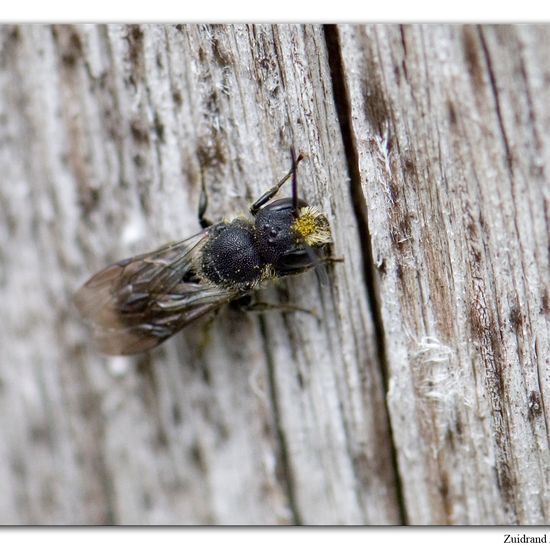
x=427, y=150
x=255, y=419
x=450, y=127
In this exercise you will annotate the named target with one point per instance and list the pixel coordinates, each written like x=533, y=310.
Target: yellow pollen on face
x=305, y=225
x=312, y=226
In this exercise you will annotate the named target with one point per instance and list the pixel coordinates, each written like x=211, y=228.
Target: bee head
x=290, y=234
x=289, y=242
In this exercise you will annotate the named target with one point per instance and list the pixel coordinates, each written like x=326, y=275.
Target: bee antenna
x=294, y=170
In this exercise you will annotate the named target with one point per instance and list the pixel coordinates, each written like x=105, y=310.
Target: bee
x=135, y=304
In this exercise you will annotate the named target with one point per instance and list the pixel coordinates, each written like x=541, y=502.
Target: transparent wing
x=135, y=304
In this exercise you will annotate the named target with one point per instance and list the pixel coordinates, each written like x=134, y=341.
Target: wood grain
x=107, y=133
x=449, y=125
x=420, y=397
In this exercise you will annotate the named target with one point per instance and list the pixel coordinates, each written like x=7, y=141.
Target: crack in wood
x=494, y=88
x=369, y=265
x=285, y=469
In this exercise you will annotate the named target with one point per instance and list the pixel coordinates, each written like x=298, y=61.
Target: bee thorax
x=230, y=258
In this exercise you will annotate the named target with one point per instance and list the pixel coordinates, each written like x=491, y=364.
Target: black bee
x=137, y=303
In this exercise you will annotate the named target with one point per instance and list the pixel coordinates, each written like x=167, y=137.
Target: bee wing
x=137, y=303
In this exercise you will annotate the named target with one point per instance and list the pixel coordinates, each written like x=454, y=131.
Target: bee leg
x=261, y=307
x=321, y=271
x=203, y=205
x=205, y=334
x=268, y=195
x=332, y=260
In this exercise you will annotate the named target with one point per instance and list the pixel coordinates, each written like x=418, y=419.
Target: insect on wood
x=137, y=303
